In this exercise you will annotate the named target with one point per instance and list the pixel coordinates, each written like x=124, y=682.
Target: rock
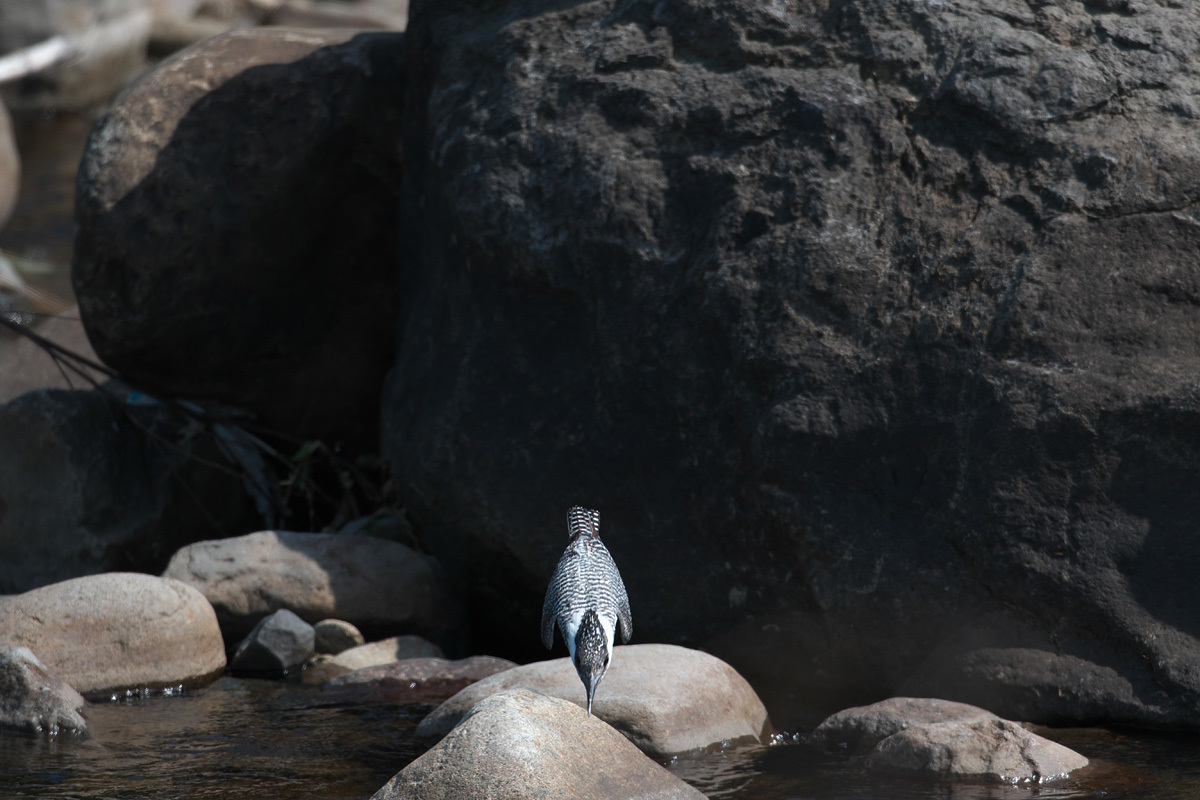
x=10, y=167
x=105, y=633
x=109, y=37
x=278, y=644
x=665, y=699
x=335, y=635
x=519, y=744
x=33, y=700
x=324, y=14
x=883, y=314
x=90, y=483
x=387, y=651
x=860, y=729
x=948, y=739
x=990, y=749
x=377, y=585
x=279, y=297
x=419, y=680
x=27, y=367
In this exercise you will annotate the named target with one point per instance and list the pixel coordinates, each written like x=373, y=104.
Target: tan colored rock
x=104, y=633
x=419, y=680
x=33, y=699
x=334, y=636
x=518, y=744
x=373, y=583
x=386, y=651
x=665, y=699
x=860, y=729
x=995, y=749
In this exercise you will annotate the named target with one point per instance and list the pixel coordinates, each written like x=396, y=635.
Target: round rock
x=520, y=744
x=379, y=586
x=665, y=699
x=335, y=635
x=33, y=700
x=279, y=643
x=103, y=633
x=860, y=729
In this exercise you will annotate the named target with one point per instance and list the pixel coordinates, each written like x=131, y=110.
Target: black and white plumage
x=587, y=600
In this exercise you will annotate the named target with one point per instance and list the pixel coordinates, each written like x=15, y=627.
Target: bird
x=587, y=600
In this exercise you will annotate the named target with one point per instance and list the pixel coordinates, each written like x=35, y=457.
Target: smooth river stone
x=120, y=630
x=664, y=698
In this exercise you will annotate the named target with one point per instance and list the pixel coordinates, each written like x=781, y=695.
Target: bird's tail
x=583, y=521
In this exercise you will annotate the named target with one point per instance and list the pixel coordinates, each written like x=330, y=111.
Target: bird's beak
x=591, y=691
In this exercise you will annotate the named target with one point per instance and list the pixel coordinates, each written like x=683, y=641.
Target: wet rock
x=335, y=635
x=278, y=644
x=989, y=749
x=936, y=289
x=386, y=651
x=377, y=585
x=519, y=744
x=859, y=730
x=665, y=699
x=90, y=483
x=10, y=167
x=110, y=45
x=419, y=680
x=33, y=700
x=942, y=738
x=105, y=633
x=279, y=296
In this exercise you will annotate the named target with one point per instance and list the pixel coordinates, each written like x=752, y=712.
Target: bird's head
x=592, y=655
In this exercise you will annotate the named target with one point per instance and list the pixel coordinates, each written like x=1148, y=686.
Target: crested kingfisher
x=587, y=599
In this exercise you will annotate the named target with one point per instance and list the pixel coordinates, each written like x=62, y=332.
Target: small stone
x=278, y=643
x=665, y=699
x=419, y=680
x=116, y=631
x=335, y=635
x=518, y=744
x=995, y=749
x=34, y=700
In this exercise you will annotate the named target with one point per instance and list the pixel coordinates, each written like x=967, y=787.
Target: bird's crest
x=583, y=522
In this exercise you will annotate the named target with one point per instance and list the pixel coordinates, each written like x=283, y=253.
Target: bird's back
x=586, y=578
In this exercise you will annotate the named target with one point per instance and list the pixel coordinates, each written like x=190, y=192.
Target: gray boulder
x=278, y=644
x=107, y=633
x=876, y=317
x=419, y=680
x=33, y=700
x=859, y=730
x=665, y=699
x=237, y=213
x=90, y=483
x=381, y=587
x=519, y=744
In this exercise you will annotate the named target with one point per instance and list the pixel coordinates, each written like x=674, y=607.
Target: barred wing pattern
x=586, y=577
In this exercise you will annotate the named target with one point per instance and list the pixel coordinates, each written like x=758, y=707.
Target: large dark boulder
x=238, y=214
x=865, y=325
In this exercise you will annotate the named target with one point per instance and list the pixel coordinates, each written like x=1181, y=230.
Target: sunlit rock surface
x=33, y=700
x=336, y=635
x=878, y=318
x=665, y=699
x=117, y=631
x=379, y=586
x=521, y=744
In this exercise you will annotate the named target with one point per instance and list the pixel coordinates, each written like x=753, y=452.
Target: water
x=277, y=741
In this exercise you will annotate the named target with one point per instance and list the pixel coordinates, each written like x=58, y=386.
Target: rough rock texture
x=419, y=680
x=238, y=227
x=35, y=701
x=89, y=483
x=336, y=635
x=380, y=586
x=10, y=167
x=104, y=633
x=860, y=729
x=883, y=313
x=665, y=699
x=109, y=36
x=278, y=644
x=520, y=744
x=992, y=750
